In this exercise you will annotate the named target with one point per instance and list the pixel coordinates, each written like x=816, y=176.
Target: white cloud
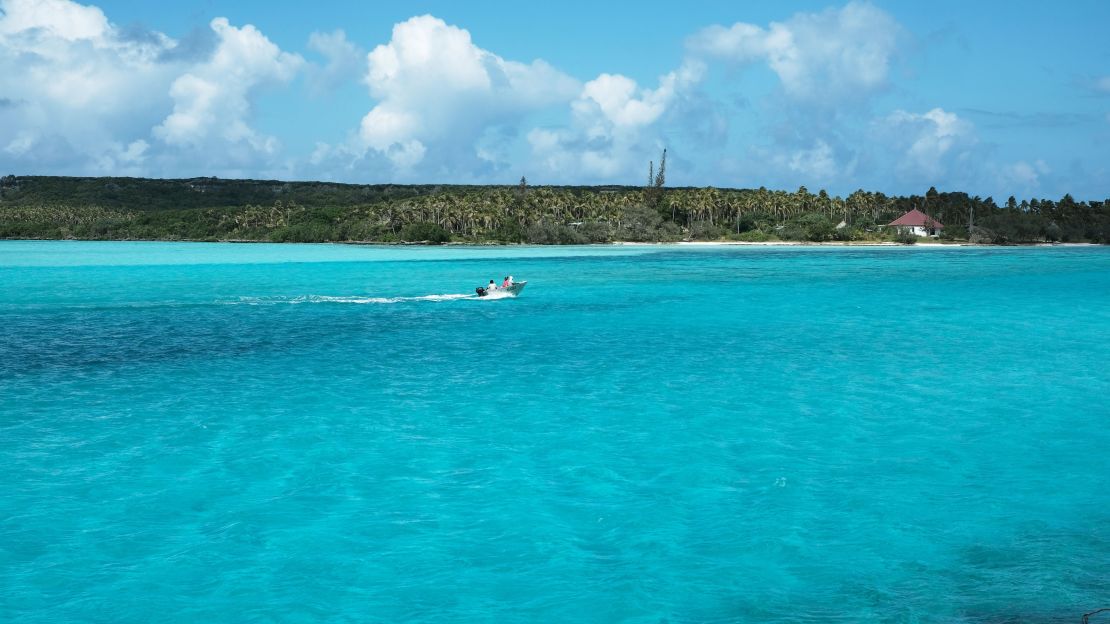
x=615, y=97
x=20, y=144
x=1023, y=173
x=58, y=53
x=615, y=127
x=900, y=152
x=97, y=99
x=383, y=127
x=345, y=60
x=438, y=93
x=211, y=101
x=838, y=53
x=56, y=18
x=817, y=162
x=1021, y=178
x=927, y=143
x=83, y=87
x=813, y=132
x=618, y=101
x=80, y=95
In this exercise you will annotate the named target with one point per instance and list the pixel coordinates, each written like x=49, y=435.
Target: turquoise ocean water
x=286, y=433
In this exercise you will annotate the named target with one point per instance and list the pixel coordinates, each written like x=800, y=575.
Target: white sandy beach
x=798, y=244
x=930, y=244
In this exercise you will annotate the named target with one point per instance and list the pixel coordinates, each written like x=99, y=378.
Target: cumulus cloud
x=98, y=99
x=837, y=53
x=614, y=127
x=816, y=163
x=928, y=137
x=1023, y=177
x=81, y=95
x=344, y=60
x=811, y=130
x=902, y=151
x=437, y=93
x=617, y=101
x=56, y=18
x=922, y=149
x=211, y=101
x=84, y=91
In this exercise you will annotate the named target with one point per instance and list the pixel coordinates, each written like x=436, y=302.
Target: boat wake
x=497, y=294
x=330, y=299
x=358, y=300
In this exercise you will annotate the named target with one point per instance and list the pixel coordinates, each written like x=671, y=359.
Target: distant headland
x=213, y=209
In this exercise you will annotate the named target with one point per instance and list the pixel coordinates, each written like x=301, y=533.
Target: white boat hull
x=510, y=291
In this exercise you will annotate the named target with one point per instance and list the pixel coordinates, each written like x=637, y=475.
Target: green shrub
x=953, y=232
x=301, y=233
x=509, y=232
x=905, y=237
x=424, y=232
x=545, y=233
x=791, y=232
x=704, y=230
x=361, y=230
x=1052, y=232
x=752, y=236
x=669, y=232
x=815, y=227
x=595, y=232
x=746, y=223
x=640, y=223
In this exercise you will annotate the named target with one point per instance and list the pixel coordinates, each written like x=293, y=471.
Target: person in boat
x=508, y=281
x=492, y=286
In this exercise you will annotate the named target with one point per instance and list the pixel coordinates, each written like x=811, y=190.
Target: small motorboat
x=508, y=291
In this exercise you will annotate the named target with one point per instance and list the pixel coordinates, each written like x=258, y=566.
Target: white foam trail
x=498, y=294
x=332, y=299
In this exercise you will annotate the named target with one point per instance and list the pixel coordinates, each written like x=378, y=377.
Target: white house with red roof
x=917, y=223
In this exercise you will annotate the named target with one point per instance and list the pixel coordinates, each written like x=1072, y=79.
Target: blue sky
x=995, y=98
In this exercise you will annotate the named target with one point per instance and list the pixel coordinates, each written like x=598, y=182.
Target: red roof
x=917, y=218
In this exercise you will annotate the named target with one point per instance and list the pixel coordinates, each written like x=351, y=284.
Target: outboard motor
x=481, y=291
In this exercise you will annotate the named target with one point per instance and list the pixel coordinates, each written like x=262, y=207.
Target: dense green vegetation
x=266, y=210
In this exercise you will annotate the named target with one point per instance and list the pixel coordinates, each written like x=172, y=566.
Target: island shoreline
x=686, y=243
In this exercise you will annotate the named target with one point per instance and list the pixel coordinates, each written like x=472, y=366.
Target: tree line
x=269, y=210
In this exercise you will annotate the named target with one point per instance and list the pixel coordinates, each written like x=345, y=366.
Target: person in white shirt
x=492, y=286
